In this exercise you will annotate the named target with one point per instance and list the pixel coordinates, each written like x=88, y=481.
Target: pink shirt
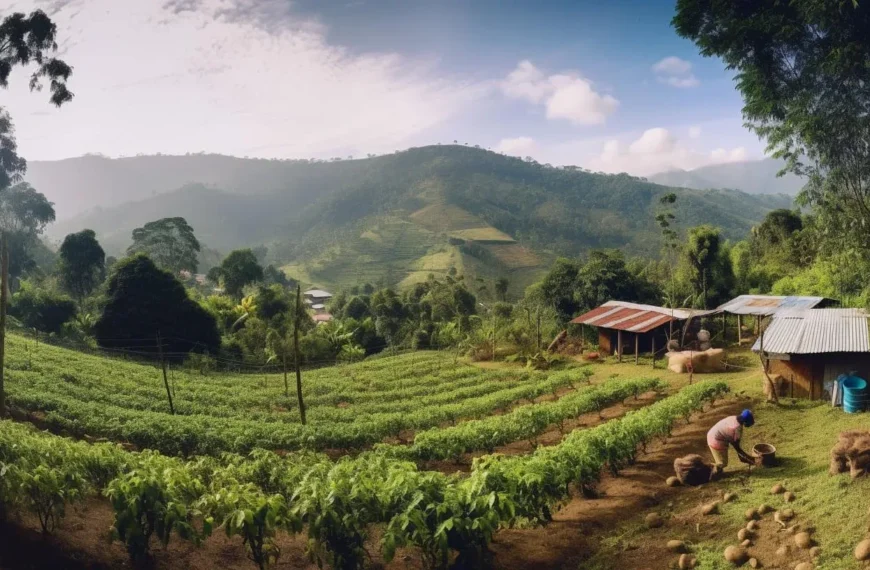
x=727, y=431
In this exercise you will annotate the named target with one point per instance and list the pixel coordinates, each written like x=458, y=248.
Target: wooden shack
x=810, y=348
x=634, y=328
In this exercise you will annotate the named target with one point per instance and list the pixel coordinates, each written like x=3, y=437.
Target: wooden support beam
x=654, y=350
x=739, y=330
x=619, y=345
x=636, y=349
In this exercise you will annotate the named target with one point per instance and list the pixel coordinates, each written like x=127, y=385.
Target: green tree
x=144, y=302
x=240, y=268
x=24, y=214
x=170, y=242
x=801, y=67
x=82, y=264
x=41, y=309
x=501, y=288
x=709, y=265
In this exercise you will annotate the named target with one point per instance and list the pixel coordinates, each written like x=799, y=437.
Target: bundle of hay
x=710, y=360
x=692, y=470
x=851, y=453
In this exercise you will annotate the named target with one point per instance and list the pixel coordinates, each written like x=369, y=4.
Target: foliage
x=41, y=309
x=24, y=214
x=169, y=242
x=144, y=302
x=802, y=70
x=238, y=269
x=82, y=263
x=710, y=270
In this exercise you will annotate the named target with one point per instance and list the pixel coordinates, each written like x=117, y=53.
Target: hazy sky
x=606, y=85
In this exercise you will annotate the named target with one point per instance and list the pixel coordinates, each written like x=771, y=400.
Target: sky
x=604, y=85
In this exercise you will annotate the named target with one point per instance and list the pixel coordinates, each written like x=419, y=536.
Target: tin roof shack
x=760, y=306
x=644, y=328
x=810, y=348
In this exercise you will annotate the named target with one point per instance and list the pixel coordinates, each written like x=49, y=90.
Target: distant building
x=314, y=296
x=322, y=318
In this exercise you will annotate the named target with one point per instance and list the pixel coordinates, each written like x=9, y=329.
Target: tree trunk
x=4, y=299
x=296, y=353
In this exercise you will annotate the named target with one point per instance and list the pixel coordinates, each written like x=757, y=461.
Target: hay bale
x=678, y=362
x=692, y=470
x=851, y=453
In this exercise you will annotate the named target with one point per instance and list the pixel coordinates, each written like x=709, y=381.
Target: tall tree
x=240, y=268
x=82, y=264
x=170, y=242
x=710, y=268
x=25, y=41
x=501, y=288
x=144, y=302
x=24, y=214
x=802, y=70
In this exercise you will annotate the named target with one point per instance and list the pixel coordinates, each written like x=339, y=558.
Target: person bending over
x=728, y=432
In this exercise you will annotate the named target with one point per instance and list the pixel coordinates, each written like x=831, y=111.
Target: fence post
x=165, y=380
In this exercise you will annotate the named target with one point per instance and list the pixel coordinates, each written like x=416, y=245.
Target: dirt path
x=577, y=529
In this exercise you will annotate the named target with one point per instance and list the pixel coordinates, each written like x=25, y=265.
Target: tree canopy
x=82, y=263
x=24, y=213
x=144, y=301
x=240, y=268
x=170, y=242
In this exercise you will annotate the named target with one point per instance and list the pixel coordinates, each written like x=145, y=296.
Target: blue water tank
x=854, y=394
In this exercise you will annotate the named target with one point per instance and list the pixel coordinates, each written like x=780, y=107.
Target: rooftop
x=633, y=317
x=816, y=331
x=317, y=293
x=763, y=305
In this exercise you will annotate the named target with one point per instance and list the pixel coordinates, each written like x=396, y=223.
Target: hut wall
x=812, y=375
x=606, y=341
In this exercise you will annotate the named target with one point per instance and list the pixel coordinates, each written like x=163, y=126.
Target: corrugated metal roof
x=816, y=331
x=764, y=305
x=317, y=293
x=633, y=317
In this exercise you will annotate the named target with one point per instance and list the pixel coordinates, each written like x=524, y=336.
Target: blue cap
x=746, y=418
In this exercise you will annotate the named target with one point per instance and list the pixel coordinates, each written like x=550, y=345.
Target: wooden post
x=654, y=350
x=739, y=330
x=764, y=364
x=724, y=329
x=619, y=345
x=296, y=352
x=4, y=299
x=636, y=349
x=165, y=380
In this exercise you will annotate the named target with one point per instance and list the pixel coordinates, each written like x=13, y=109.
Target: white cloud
x=675, y=72
x=567, y=96
x=657, y=150
x=695, y=132
x=231, y=76
x=518, y=146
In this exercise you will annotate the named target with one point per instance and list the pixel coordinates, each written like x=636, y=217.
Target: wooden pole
x=296, y=352
x=724, y=330
x=4, y=299
x=286, y=385
x=770, y=386
x=739, y=330
x=165, y=380
x=619, y=345
x=636, y=349
x=654, y=350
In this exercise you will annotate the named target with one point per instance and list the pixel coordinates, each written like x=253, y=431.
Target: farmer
x=726, y=433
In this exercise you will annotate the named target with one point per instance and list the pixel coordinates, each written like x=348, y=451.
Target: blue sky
x=606, y=85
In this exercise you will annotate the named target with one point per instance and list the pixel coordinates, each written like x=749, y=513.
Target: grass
x=486, y=234
x=803, y=433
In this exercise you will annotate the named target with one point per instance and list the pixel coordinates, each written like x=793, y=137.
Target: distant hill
x=397, y=218
x=754, y=177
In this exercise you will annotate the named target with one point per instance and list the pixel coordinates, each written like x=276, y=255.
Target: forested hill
x=399, y=217
x=753, y=176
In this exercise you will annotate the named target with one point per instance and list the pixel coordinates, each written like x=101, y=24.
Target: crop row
x=207, y=435
x=336, y=504
x=522, y=423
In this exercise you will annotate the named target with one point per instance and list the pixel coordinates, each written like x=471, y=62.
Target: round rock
x=789, y=497
x=777, y=489
x=710, y=508
x=862, y=551
x=751, y=514
x=752, y=526
x=803, y=540
x=676, y=546
x=654, y=520
x=743, y=534
x=735, y=555
x=672, y=481
x=764, y=509
x=728, y=497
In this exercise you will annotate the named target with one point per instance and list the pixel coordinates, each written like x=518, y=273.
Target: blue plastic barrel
x=854, y=394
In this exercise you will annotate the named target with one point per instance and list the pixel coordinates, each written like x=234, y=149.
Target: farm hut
x=760, y=306
x=642, y=328
x=316, y=296
x=810, y=348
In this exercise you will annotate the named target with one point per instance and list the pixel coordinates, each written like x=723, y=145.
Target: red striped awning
x=630, y=317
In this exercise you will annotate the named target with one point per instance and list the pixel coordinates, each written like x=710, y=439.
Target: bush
x=42, y=310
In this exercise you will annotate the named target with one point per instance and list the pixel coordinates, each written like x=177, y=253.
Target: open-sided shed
x=810, y=348
x=644, y=328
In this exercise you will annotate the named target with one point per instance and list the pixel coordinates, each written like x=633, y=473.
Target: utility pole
x=296, y=352
x=4, y=299
x=165, y=380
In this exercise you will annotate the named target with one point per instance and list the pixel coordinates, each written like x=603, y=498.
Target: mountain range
x=754, y=177
x=390, y=219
